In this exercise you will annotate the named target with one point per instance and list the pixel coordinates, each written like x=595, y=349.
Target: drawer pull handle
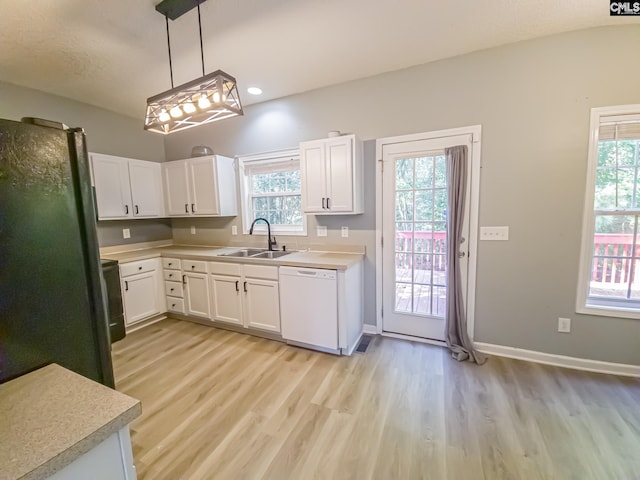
x=186, y=208
x=328, y=207
x=193, y=208
x=323, y=207
x=237, y=286
x=137, y=211
x=184, y=279
x=126, y=286
x=126, y=209
x=245, y=287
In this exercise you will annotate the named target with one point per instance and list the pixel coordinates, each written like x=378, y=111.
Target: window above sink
x=270, y=187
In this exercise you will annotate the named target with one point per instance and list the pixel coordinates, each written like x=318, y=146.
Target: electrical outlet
x=193, y=229
x=564, y=325
x=494, y=233
x=126, y=233
x=345, y=232
x=234, y=229
x=322, y=231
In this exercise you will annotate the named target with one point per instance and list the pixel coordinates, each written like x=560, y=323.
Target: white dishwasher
x=309, y=307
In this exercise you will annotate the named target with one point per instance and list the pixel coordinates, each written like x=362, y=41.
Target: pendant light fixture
x=204, y=100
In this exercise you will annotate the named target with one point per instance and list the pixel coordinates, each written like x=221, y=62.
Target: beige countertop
x=52, y=416
x=310, y=259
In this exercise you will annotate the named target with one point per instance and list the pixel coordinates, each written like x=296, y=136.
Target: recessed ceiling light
x=254, y=90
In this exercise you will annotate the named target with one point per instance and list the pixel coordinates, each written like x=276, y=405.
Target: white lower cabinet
x=245, y=295
x=196, y=289
x=142, y=290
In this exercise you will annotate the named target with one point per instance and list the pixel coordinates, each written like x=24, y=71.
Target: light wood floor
x=218, y=404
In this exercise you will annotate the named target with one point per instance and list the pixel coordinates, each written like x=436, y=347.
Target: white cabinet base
x=110, y=460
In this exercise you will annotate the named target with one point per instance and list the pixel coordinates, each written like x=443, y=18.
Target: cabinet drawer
x=219, y=268
x=173, y=289
x=172, y=275
x=261, y=271
x=171, y=263
x=175, y=305
x=141, y=266
x=194, y=266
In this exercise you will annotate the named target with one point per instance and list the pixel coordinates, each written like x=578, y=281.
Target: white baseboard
x=559, y=360
x=369, y=329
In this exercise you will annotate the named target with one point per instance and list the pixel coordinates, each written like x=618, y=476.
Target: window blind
x=621, y=127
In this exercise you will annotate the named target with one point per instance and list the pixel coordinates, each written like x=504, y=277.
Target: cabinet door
x=176, y=183
x=197, y=295
x=312, y=172
x=204, y=190
x=339, y=174
x=146, y=188
x=111, y=180
x=262, y=305
x=226, y=302
x=140, y=295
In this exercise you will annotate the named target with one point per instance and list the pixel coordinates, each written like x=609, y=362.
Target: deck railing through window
x=615, y=263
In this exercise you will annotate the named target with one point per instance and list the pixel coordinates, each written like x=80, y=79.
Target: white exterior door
x=226, y=301
x=176, y=181
x=313, y=171
x=204, y=192
x=111, y=181
x=339, y=174
x=197, y=295
x=146, y=188
x=262, y=305
x=414, y=218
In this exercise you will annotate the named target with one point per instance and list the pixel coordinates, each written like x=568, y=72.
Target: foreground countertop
x=52, y=416
x=309, y=259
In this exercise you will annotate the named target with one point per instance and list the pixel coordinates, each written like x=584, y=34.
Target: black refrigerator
x=52, y=305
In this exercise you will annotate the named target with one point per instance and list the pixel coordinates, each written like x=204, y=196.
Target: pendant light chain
x=201, y=47
x=169, y=48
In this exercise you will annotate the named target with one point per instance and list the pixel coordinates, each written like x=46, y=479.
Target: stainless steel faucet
x=271, y=242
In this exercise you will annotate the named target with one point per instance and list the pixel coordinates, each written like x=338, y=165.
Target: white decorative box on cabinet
x=332, y=176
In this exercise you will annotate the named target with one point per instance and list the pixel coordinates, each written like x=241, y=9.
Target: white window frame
x=245, y=192
x=588, y=220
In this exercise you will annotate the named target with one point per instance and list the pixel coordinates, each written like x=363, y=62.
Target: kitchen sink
x=246, y=252
x=269, y=254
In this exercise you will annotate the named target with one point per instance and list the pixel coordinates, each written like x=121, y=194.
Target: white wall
x=532, y=100
x=107, y=132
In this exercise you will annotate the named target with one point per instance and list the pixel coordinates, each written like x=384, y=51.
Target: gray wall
x=533, y=100
x=107, y=132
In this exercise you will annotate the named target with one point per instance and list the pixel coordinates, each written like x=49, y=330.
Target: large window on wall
x=271, y=190
x=609, y=281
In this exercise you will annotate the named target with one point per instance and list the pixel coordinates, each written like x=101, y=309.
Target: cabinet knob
x=170, y=263
x=173, y=305
x=172, y=289
x=193, y=266
x=139, y=268
x=171, y=275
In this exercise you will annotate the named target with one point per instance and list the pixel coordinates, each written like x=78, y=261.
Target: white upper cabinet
x=126, y=188
x=332, y=176
x=145, y=179
x=202, y=186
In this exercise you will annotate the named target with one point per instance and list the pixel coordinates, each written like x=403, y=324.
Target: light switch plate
x=494, y=233
x=126, y=233
x=322, y=231
x=234, y=229
x=345, y=232
x=564, y=325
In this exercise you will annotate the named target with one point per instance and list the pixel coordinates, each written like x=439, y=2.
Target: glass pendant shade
x=198, y=102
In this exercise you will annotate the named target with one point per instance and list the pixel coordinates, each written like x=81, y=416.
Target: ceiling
x=113, y=54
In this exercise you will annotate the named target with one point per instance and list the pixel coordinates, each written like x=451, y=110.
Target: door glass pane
x=420, y=243
x=403, y=297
